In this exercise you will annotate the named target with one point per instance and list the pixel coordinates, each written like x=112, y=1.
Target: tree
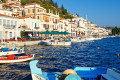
x=77, y=14
x=116, y=30
x=62, y=7
x=51, y=2
x=64, y=12
x=3, y=1
x=56, y=5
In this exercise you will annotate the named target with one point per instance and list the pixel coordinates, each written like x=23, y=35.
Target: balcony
x=9, y=26
x=36, y=27
x=55, y=22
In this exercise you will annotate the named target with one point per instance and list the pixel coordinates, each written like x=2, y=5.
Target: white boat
x=76, y=40
x=8, y=51
x=57, y=43
x=13, y=59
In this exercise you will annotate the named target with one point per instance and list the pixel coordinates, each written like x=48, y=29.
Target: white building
x=9, y=27
x=31, y=27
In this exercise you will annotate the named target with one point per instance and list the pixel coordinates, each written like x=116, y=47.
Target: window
x=12, y=22
x=28, y=10
x=0, y=21
x=10, y=34
x=8, y=23
x=6, y=35
x=4, y=22
x=32, y=24
x=35, y=25
x=15, y=23
x=33, y=10
x=38, y=10
x=38, y=24
x=38, y=17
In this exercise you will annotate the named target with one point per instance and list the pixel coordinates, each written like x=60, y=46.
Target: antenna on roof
x=86, y=17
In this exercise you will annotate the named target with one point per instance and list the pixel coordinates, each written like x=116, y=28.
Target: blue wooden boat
x=78, y=73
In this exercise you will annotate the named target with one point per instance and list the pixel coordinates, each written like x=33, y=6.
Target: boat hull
x=6, y=61
x=57, y=43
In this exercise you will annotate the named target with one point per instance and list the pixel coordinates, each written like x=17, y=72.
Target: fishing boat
x=14, y=58
x=78, y=73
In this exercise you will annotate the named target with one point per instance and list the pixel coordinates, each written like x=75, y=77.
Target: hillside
x=49, y=4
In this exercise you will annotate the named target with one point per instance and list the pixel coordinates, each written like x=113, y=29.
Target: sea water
x=98, y=53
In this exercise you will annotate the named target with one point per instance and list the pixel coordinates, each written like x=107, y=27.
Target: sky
x=100, y=12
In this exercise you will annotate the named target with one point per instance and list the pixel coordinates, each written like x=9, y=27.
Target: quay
x=25, y=43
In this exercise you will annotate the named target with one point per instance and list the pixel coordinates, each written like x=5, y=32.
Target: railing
x=9, y=26
x=36, y=27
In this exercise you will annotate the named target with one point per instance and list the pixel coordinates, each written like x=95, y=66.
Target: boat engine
x=69, y=74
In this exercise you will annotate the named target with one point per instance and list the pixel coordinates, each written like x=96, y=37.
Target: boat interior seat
x=107, y=77
x=111, y=75
x=5, y=49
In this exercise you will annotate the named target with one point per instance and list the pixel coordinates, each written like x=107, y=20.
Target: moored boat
x=77, y=40
x=8, y=51
x=13, y=58
x=57, y=43
x=78, y=73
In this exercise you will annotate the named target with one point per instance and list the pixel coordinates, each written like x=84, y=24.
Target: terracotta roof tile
x=31, y=4
x=62, y=18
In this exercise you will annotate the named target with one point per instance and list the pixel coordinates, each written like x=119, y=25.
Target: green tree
x=116, y=30
x=62, y=7
x=51, y=2
x=22, y=34
x=56, y=5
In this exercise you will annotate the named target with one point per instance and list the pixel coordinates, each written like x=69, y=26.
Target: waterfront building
x=35, y=11
x=11, y=8
x=30, y=27
x=32, y=19
x=82, y=26
x=9, y=27
x=73, y=29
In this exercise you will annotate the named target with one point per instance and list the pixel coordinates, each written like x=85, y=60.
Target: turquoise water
x=62, y=58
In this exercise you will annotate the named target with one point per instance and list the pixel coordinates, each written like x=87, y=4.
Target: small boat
x=78, y=73
x=8, y=51
x=57, y=43
x=90, y=39
x=77, y=40
x=13, y=58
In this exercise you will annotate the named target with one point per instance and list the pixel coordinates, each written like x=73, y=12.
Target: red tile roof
x=7, y=15
x=72, y=21
x=62, y=18
x=30, y=4
x=13, y=17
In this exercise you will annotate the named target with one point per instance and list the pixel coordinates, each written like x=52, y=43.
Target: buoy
x=41, y=56
x=118, y=55
x=98, y=48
